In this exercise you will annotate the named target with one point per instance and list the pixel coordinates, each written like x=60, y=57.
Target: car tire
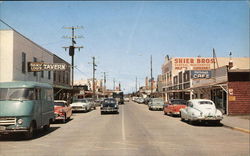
x=30, y=134
x=46, y=127
x=65, y=118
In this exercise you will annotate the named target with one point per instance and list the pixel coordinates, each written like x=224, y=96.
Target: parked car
x=98, y=102
x=155, y=104
x=62, y=110
x=140, y=100
x=81, y=105
x=146, y=100
x=173, y=106
x=109, y=105
x=126, y=99
x=201, y=110
x=92, y=102
x=25, y=106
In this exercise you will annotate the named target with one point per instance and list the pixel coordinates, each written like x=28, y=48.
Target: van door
x=38, y=107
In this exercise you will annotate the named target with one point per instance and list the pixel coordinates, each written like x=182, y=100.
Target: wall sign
x=193, y=63
x=200, y=74
x=42, y=66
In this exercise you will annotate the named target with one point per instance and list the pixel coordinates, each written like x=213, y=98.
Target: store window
x=42, y=73
x=35, y=60
x=23, y=62
x=49, y=75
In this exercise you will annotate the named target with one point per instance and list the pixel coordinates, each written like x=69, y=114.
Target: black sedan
x=109, y=105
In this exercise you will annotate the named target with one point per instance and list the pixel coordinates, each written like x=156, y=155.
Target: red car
x=173, y=106
x=62, y=110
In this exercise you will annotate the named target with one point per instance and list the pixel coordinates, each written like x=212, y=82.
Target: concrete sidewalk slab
x=240, y=123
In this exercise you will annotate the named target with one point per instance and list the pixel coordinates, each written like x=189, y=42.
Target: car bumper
x=109, y=110
x=59, y=117
x=157, y=107
x=79, y=109
x=176, y=113
x=212, y=118
x=5, y=129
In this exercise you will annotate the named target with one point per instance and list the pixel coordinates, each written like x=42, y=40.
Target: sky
x=123, y=35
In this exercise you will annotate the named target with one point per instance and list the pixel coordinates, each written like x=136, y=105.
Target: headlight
x=20, y=121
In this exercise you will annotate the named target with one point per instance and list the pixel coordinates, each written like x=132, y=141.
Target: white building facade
x=15, y=52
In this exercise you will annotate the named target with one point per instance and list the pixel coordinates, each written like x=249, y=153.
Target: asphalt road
x=135, y=131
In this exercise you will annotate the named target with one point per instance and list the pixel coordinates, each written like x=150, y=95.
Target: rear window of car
x=178, y=102
x=205, y=102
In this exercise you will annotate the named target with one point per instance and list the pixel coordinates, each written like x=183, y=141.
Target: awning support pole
x=58, y=92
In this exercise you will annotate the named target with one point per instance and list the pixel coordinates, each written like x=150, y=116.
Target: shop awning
x=210, y=85
x=62, y=87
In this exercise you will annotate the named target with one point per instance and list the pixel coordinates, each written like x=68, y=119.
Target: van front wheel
x=46, y=127
x=30, y=133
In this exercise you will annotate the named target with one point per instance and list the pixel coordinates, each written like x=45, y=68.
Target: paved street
x=134, y=131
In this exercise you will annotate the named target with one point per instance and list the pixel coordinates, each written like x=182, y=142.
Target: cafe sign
x=200, y=74
x=42, y=66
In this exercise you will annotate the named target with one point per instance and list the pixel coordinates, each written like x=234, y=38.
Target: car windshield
x=81, y=100
x=111, y=101
x=59, y=104
x=178, y=102
x=17, y=94
x=157, y=100
x=205, y=102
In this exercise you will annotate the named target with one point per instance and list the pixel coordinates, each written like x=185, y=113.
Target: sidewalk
x=240, y=123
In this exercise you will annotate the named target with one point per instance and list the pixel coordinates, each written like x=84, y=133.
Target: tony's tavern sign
x=42, y=66
x=193, y=63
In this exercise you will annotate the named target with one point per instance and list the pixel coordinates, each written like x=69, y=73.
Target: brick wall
x=239, y=104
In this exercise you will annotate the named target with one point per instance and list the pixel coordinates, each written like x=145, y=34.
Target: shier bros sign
x=200, y=67
x=42, y=66
x=193, y=63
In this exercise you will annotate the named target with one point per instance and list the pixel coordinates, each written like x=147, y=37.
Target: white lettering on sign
x=201, y=74
x=41, y=66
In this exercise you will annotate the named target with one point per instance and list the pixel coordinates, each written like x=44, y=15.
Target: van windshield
x=17, y=94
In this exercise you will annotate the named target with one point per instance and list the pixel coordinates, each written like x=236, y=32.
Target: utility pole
x=136, y=84
x=72, y=49
x=119, y=86
x=114, y=84
x=151, y=74
x=104, y=81
x=94, y=69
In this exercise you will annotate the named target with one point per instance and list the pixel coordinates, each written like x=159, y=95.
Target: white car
x=81, y=105
x=126, y=99
x=201, y=110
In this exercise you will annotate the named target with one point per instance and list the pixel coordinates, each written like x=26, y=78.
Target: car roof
x=60, y=101
x=197, y=100
x=24, y=84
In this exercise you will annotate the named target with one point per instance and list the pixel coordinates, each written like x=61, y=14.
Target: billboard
x=200, y=74
x=42, y=66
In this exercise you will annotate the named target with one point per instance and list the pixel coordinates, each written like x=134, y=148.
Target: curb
x=238, y=129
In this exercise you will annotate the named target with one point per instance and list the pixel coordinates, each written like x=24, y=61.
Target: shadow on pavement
x=204, y=124
x=61, y=122
x=111, y=113
x=20, y=136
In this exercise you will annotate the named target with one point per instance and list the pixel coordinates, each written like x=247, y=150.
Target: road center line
x=123, y=126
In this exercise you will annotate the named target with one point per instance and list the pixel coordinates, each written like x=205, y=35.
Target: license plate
x=2, y=128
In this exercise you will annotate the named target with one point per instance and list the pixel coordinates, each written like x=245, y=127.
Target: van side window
x=49, y=94
x=37, y=93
